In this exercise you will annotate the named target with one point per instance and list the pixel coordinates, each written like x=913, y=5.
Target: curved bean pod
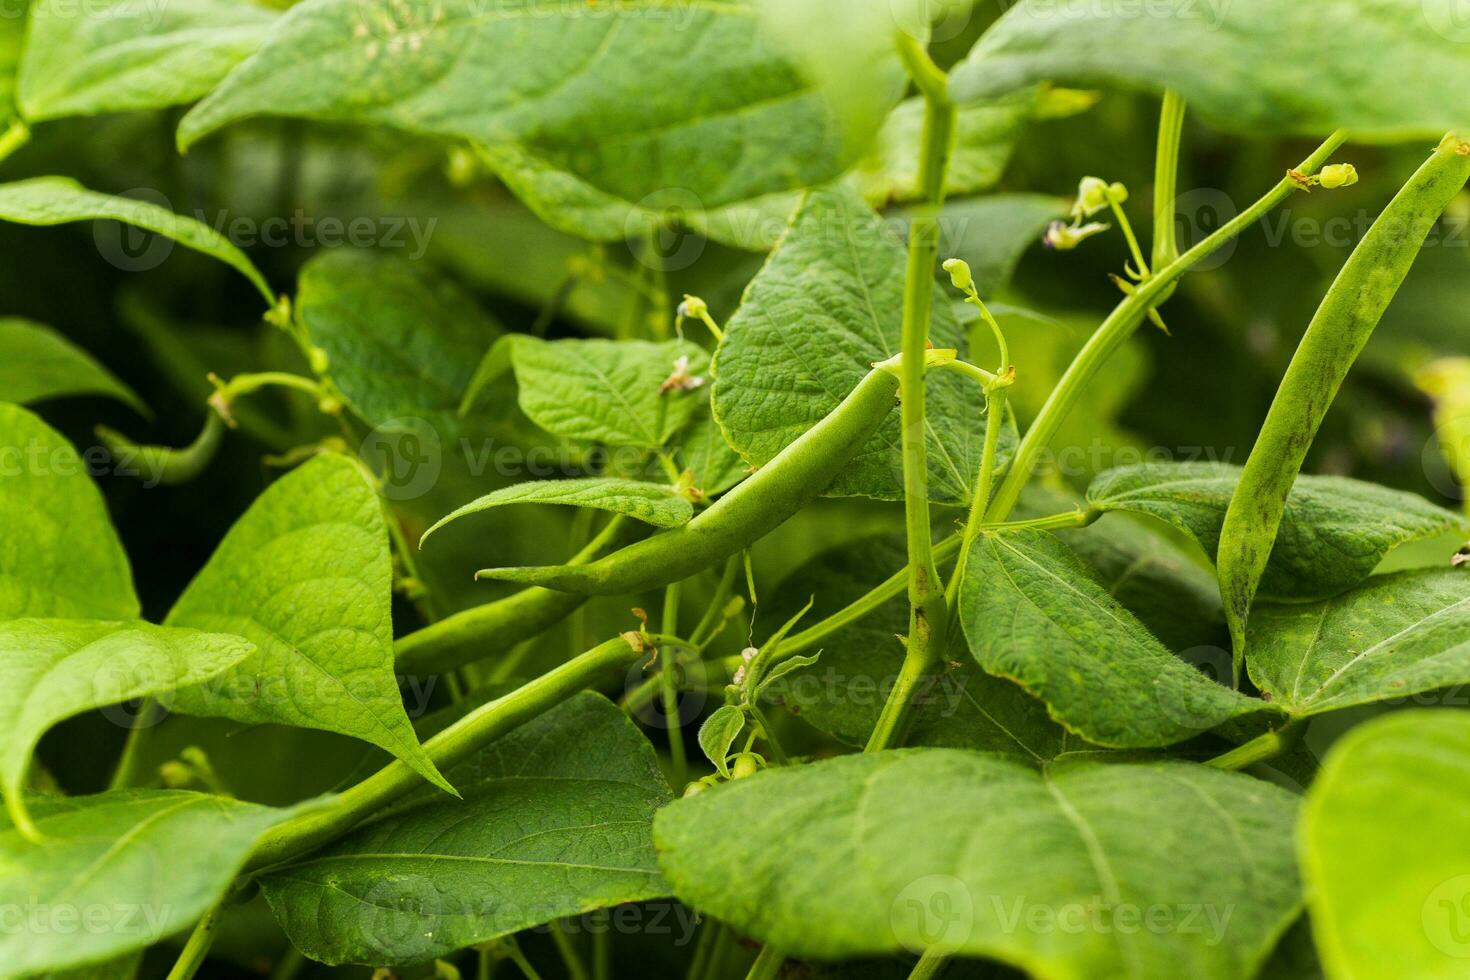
x=746, y=514
x=1334, y=339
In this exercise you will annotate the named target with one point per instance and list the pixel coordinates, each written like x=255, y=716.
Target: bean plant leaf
x=61, y=557
x=827, y=305
x=719, y=732
x=41, y=364
x=556, y=821
x=1382, y=845
x=1034, y=869
x=137, y=865
x=401, y=342
x=1334, y=532
x=61, y=200
x=306, y=576
x=843, y=694
x=116, y=55
x=589, y=112
x=650, y=503
x=1247, y=65
x=1033, y=612
x=1395, y=636
x=608, y=391
x=122, y=968
x=12, y=44
x=54, y=669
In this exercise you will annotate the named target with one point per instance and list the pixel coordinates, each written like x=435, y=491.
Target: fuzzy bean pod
x=743, y=516
x=1334, y=339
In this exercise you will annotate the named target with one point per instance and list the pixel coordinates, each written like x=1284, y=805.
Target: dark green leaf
x=41, y=364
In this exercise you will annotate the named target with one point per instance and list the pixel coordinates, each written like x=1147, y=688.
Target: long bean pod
x=744, y=515
x=1334, y=339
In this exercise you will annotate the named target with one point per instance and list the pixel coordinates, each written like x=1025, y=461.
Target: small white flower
x=747, y=655
x=681, y=379
x=1063, y=237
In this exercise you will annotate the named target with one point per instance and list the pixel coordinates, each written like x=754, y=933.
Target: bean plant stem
x=930, y=965
x=1260, y=748
x=926, y=592
x=669, y=678
x=1166, y=178
x=1121, y=323
x=767, y=965
x=18, y=134
x=571, y=959
x=126, y=773
x=449, y=747
x=516, y=955
x=197, y=948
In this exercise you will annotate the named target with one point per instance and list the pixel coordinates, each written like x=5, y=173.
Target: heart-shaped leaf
x=306, y=576
x=556, y=821
x=61, y=557
x=1070, y=873
x=52, y=669
x=41, y=364
x=1393, y=637
x=119, y=872
x=1033, y=612
x=1382, y=843
x=1334, y=533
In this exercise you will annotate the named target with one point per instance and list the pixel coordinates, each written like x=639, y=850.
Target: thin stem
x=1119, y=326
x=930, y=965
x=1127, y=228
x=778, y=754
x=449, y=747
x=18, y=134
x=926, y=591
x=1260, y=748
x=197, y=948
x=1166, y=178
x=514, y=953
x=709, y=934
x=670, y=624
x=571, y=959
x=290, y=964
x=128, y=764
x=767, y=965
x=973, y=372
x=714, y=613
x=995, y=407
x=602, y=955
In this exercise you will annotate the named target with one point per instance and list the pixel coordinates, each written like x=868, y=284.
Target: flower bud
x=1063, y=237
x=1338, y=175
x=960, y=274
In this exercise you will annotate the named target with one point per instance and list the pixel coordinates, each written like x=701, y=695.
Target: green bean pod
x=1334, y=339
x=165, y=465
x=743, y=516
x=493, y=628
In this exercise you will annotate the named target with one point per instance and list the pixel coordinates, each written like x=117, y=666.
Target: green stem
x=126, y=773
x=995, y=407
x=714, y=613
x=1260, y=748
x=1121, y=324
x=1166, y=178
x=289, y=965
x=930, y=965
x=1127, y=228
x=518, y=957
x=670, y=625
x=571, y=959
x=602, y=955
x=767, y=965
x=448, y=748
x=778, y=754
x=17, y=135
x=926, y=592
x=197, y=948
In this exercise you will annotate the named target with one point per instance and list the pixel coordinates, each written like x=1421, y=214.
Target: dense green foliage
x=622, y=488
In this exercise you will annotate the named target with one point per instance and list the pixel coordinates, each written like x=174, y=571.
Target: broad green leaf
x=40, y=364
x=1395, y=636
x=115, y=55
x=1055, y=873
x=591, y=113
x=556, y=821
x=53, y=669
x=122, y=968
x=1033, y=612
x=133, y=866
x=1252, y=66
x=1333, y=534
x=650, y=503
x=12, y=43
x=60, y=556
x=985, y=135
x=719, y=732
x=1382, y=845
x=991, y=233
x=608, y=391
x=401, y=342
x=703, y=449
x=827, y=305
x=60, y=200
x=843, y=693
x=306, y=576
